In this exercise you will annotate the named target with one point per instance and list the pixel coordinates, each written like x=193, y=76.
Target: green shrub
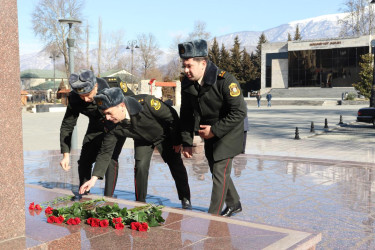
x=351, y=96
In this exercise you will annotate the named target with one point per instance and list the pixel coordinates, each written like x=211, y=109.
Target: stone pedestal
x=12, y=195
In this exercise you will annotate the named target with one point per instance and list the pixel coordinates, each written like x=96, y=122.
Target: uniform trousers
x=143, y=153
x=223, y=189
x=90, y=149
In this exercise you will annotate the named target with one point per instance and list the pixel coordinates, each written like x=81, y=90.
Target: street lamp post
x=132, y=45
x=70, y=42
x=53, y=57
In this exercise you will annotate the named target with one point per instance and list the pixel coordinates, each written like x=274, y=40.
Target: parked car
x=366, y=115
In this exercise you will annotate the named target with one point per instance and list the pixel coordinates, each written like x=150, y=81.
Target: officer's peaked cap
x=83, y=82
x=196, y=48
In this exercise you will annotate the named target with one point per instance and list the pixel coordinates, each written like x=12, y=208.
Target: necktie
x=197, y=86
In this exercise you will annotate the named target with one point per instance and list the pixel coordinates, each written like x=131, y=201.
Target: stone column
x=178, y=93
x=12, y=188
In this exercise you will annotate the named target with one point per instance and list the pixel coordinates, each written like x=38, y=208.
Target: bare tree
x=87, y=46
x=173, y=69
x=199, y=31
x=148, y=52
x=112, y=47
x=359, y=19
x=99, y=44
x=46, y=25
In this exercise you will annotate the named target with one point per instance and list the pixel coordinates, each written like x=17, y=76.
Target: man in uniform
x=213, y=107
x=81, y=101
x=115, y=81
x=152, y=124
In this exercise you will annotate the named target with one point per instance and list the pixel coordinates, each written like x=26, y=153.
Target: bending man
x=152, y=124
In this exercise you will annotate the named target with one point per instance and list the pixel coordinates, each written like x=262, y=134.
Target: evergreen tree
x=225, y=61
x=248, y=71
x=289, y=37
x=214, y=53
x=365, y=75
x=258, y=54
x=297, y=35
x=236, y=58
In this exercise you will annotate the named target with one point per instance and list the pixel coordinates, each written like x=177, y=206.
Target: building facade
x=317, y=63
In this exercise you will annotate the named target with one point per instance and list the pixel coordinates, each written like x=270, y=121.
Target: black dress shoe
x=186, y=204
x=228, y=211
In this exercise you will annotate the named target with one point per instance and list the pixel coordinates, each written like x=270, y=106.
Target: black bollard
x=326, y=123
x=296, y=137
x=341, y=120
x=312, y=129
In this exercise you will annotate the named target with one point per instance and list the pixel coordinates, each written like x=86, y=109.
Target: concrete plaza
x=322, y=182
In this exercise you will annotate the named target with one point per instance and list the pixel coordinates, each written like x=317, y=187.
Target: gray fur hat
x=109, y=97
x=83, y=82
x=196, y=48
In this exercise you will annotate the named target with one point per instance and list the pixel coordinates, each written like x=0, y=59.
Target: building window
x=324, y=68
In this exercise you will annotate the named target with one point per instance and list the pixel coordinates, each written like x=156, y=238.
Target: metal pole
x=54, y=79
x=70, y=41
x=132, y=51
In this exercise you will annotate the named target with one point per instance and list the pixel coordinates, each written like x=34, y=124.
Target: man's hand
x=187, y=152
x=64, y=163
x=88, y=185
x=205, y=132
x=177, y=148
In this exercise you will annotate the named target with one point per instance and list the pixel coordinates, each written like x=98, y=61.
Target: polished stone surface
x=182, y=229
x=12, y=210
x=321, y=183
x=328, y=196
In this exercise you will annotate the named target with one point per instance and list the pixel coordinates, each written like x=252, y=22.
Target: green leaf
x=77, y=212
x=153, y=222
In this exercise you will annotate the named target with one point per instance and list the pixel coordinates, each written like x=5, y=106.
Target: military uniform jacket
x=78, y=106
x=151, y=121
x=220, y=104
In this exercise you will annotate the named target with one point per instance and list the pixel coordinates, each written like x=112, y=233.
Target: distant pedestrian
x=258, y=96
x=269, y=98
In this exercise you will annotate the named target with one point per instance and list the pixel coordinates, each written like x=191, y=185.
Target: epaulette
x=140, y=98
x=221, y=73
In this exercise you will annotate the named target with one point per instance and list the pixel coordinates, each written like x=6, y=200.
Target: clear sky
x=167, y=18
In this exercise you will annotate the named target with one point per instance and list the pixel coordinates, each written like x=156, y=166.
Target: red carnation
x=89, y=220
x=135, y=225
x=32, y=206
x=69, y=222
x=77, y=220
x=51, y=219
x=95, y=222
x=143, y=227
x=104, y=223
x=38, y=207
x=48, y=210
x=119, y=226
x=59, y=220
x=117, y=220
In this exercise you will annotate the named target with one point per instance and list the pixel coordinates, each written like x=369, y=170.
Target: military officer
x=152, y=124
x=115, y=81
x=213, y=107
x=81, y=101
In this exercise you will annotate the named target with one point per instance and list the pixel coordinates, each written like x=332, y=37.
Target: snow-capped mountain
x=313, y=28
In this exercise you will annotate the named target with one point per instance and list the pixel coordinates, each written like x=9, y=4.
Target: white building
x=314, y=63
